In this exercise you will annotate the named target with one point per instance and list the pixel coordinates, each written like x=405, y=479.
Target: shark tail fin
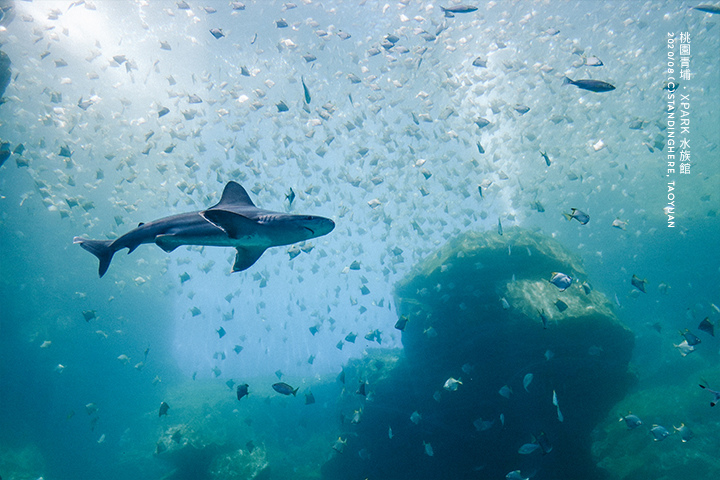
x=102, y=249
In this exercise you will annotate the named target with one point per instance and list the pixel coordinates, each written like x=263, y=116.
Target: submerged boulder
x=501, y=369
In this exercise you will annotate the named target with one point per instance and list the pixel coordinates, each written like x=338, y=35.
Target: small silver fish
x=527, y=380
x=716, y=394
x=632, y=421
x=451, y=384
x=659, y=433
x=560, y=280
x=638, y=283
x=528, y=448
x=581, y=217
x=690, y=338
x=505, y=391
x=428, y=449
x=685, y=433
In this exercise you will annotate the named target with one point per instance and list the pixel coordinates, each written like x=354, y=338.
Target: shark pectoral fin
x=246, y=257
x=233, y=224
x=167, y=242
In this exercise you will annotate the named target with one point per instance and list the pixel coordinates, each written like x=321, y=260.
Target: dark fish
x=401, y=323
x=4, y=155
x=163, y=111
x=309, y=58
x=221, y=332
x=84, y=105
x=238, y=349
x=279, y=374
x=242, y=391
x=547, y=159
x=707, y=326
x=361, y=389
x=305, y=90
x=480, y=62
x=482, y=122
x=194, y=99
x=183, y=5
x=581, y=217
x=481, y=150
x=714, y=401
x=65, y=152
x=691, y=338
x=290, y=197
x=230, y=383
x=350, y=337
x=238, y=6
x=164, y=407
x=707, y=8
x=458, y=9
x=632, y=421
x=521, y=109
x=309, y=398
x=165, y=45
x=217, y=33
x=638, y=283
x=562, y=306
x=500, y=229
x=341, y=377
x=282, y=107
x=284, y=388
x=244, y=71
x=590, y=85
x=543, y=318
x=544, y=443
x=281, y=23
x=119, y=59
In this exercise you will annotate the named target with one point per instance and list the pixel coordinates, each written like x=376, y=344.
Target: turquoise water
x=389, y=147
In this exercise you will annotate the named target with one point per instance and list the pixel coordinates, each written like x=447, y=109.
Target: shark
x=234, y=222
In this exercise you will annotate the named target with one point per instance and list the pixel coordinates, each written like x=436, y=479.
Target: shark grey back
x=234, y=221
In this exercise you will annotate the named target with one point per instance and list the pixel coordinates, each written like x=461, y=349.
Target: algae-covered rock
x=241, y=465
x=22, y=462
x=475, y=314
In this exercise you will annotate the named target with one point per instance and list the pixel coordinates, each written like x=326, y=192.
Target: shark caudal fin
x=100, y=248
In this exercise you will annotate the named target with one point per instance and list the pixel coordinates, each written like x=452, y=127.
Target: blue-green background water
x=413, y=111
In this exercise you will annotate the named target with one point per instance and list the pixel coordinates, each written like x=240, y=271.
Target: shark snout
x=318, y=226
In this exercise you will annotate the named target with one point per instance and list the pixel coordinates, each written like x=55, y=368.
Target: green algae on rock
x=475, y=313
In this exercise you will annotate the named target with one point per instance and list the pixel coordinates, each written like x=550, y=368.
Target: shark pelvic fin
x=166, y=242
x=246, y=257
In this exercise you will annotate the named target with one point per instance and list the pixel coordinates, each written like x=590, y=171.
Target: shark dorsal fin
x=234, y=195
